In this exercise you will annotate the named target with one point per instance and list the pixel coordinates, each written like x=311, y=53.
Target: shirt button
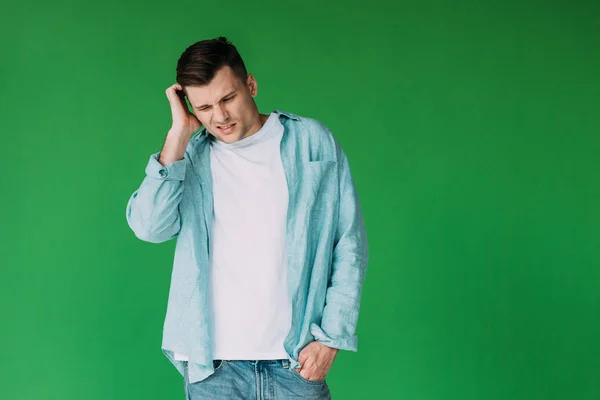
x=163, y=173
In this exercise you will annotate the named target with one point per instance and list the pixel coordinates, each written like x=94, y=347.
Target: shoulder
x=198, y=140
x=318, y=134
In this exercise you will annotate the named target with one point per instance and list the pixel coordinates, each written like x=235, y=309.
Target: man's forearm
x=153, y=209
x=174, y=147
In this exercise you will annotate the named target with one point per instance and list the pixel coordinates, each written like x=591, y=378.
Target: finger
x=302, y=357
x=303, y=373
x=171, y=93
x=177, y=96
x=174, y=89
x=310, y=376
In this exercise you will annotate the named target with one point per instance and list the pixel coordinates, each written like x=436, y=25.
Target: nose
x=220, y=114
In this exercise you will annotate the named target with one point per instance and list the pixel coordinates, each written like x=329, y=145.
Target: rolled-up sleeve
x=153, y=209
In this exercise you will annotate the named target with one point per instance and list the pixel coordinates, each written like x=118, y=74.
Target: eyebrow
x=208, y=105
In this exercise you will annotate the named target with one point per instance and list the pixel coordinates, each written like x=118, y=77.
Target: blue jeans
x=255, y=380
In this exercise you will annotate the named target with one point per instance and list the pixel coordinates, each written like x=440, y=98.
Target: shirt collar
x=288, y=114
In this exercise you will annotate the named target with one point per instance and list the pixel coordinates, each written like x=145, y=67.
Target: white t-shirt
x=251, y=309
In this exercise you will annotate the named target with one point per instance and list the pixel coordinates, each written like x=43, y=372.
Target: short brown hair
x=200, y=62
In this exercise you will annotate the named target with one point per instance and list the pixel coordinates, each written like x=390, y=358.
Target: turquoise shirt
x=326, y=242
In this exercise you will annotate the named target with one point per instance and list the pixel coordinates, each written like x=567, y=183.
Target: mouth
x=226, y=129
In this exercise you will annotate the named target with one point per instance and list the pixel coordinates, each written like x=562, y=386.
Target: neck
x=262, y=118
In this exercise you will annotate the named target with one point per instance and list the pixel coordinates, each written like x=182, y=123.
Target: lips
x=225, y=129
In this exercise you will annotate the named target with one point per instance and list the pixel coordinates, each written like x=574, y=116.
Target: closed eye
x=224, y=99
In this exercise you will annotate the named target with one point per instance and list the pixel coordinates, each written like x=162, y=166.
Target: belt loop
x=285, y=362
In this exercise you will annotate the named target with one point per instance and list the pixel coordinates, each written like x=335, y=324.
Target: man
x=271, y=249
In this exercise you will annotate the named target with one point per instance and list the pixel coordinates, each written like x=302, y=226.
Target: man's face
x=226, y=106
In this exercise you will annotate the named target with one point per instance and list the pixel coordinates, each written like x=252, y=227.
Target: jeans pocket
x=303, y=379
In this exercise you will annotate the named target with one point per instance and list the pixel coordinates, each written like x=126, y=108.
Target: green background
x=472, y=133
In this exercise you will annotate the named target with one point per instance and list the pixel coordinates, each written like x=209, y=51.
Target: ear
x=252, y=85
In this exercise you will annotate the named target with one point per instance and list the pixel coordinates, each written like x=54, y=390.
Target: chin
x=230, y=138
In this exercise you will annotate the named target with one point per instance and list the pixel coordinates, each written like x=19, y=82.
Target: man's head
x=219, y=89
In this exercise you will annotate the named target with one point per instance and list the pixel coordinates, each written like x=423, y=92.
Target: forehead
x=224, y=82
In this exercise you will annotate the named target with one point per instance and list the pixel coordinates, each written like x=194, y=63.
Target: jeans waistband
x=283, y=362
